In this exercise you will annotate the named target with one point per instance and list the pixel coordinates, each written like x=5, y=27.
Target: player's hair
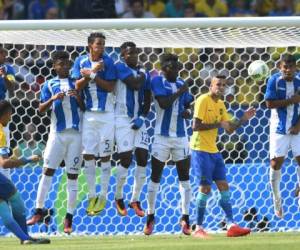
x=132, y=2
x=288, y=58
x=92, y=37
x=5, y=106
x=167, y=58
x=127, y=45
x=219, y=76
x=2, y=50
x=60, y=55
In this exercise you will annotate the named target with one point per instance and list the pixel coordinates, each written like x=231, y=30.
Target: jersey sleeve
x=157, y=87
x=110, y=70
x=122, y=71
x=225, y=117
x=45, y=93
x=75, y=72
x=200, y=108
x=10, y=73
x=188, y=98
x=271, y=93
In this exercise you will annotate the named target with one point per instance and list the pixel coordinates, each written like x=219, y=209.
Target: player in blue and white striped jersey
x=64, y=142
x=7, y=86
x=96, y=75
x=133, y=100
x=172, y=102
x=283, y=97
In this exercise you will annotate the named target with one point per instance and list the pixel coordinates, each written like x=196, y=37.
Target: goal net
x=205, y=47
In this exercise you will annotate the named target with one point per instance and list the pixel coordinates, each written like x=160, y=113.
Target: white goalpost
x=205, y=46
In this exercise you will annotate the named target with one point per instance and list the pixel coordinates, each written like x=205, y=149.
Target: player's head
x=288, y=66
x=3, y=55
x=218, y=85
x=5, y=112
x=137, y=7
x=170, y=66
x=61, y=63
x=130, y=53
x=96, y=43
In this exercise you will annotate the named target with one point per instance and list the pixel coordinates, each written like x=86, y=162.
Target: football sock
x=151, y=197
x=10, y=222
x=121, y=178
x=43, y=189
x=201, y=206
x=275, y=177
x=90, y=175
x=139, y=181
x=226, y=205
x=185, y=193
x=104, y=178
x=72, y=189
x=18, y=211
x=298, y=175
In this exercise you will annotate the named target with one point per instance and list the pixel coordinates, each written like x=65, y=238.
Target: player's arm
x=9, y=79
x=187, y=113
x=167, y=101
x=78, y=98
x=198, y=125
x=44, y=106
x=6, y=162
x=274, y=104
x=135, y=82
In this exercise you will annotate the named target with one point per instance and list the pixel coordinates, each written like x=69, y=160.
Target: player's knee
x=126, y=159
x=72, y=176
x=88, y=157
x=49, y=171
x=142, y=162
x=141, y=157
x=183, y=175
x=105, y=158
x=205, y=189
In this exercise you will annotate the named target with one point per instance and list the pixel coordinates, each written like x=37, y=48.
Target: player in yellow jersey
x=207, y=163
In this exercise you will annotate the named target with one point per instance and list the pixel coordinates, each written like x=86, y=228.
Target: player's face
x=218, y=86
x=288, y=70
x=171, y=71
x=98, y=46
x=2, y=56
x=5, y=119
x=62, y=68
x=131, y=57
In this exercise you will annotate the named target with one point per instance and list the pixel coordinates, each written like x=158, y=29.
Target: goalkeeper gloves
x=137, y=123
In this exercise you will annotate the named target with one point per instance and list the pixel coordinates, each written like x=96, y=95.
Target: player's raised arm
x=6, y=162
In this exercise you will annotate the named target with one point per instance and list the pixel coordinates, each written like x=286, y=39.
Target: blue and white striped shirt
x=169, y=122
x=96, y=98
x=279, y=89
x=66, y=113
x=10, y=72
x=129, y=102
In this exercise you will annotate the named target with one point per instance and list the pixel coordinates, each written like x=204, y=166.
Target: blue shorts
x=7, y=188
x=207, y=167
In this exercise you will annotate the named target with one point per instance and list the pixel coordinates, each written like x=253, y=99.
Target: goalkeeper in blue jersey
x=12, y=210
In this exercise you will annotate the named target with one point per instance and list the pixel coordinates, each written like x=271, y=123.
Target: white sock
x=90, y=175
x=139, y=181
x=298, y=175
x=121, y=178
x=72, y=189
x=275, y=178
x=104, y=178
x=43, y=189
x=185, y=193
x=151, y=197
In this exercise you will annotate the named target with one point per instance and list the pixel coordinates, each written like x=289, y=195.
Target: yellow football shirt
x=2, y=137
x=209, y=112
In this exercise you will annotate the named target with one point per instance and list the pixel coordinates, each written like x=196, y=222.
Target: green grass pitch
x=256, y=241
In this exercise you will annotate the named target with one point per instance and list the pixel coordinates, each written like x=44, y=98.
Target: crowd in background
x=54, y=9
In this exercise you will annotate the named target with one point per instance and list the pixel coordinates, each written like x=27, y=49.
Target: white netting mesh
x=208, y=52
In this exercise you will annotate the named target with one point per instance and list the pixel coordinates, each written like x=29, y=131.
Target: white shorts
x=98, y=132
x=128, y=139
x=280, y=145
x=163, y=147
x=65, y=146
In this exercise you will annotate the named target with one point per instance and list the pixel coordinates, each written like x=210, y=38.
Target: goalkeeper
x=12, y=210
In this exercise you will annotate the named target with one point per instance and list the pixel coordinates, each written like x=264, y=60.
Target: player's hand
x=294, y=130
x=59, y=96
x=35, y=158
x=249, y=114
x=2, y=71
x=98, y=66
x=183, y=88
x=225, y=125
x=72, y=92
x=295, y=99
x=137, y=123
x=186, y=114
x=85, y=73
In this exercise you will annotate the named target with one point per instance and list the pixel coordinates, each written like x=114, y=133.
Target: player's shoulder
x=120, y=65
x=275, y=77
x=203, y=97
x=9, y=67
x=157, y=78
x=107, y=59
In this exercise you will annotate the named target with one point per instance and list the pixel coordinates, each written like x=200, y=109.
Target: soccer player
x=172, y=101
x=133, y=100
x=95, y=73
x=207, y=163
x=12, y=210
x=64, y=142
x=7, y=85
x=282, y=97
